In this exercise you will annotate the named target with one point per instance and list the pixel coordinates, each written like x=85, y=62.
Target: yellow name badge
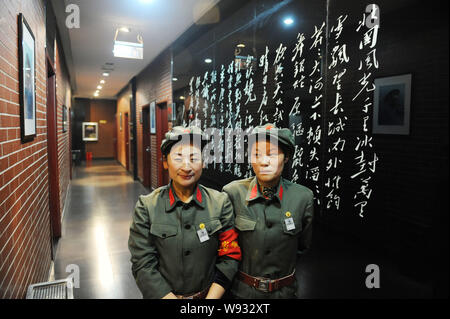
x=289, y=221
x=202, y=233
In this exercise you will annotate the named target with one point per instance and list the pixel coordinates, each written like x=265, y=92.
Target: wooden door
x=52, y=150
x=146, y=154
x=162, y=125
x=127, y=142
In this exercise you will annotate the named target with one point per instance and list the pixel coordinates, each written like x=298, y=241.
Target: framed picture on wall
x=27, y=80
x=64, y=118
x=90, y=131
x=152, y=118
x=392, y=104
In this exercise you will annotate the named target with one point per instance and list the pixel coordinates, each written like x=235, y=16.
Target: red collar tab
x=280, y=194
x=199, y=195
x=171, y=197
x=254, y=191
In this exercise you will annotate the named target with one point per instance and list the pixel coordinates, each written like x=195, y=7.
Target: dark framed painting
x=64, y=118
x=90, y=131
x=392, y=105
x=27, y=80
x=152, y=118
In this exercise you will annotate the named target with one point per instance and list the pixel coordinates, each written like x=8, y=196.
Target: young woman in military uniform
x=273, y=217
x=182, y=240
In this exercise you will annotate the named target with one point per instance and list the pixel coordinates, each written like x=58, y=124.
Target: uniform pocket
x=163, y=231
x=244, y=224
x=213, y=226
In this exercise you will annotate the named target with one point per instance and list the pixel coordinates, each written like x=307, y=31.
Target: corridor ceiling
x=89, y=48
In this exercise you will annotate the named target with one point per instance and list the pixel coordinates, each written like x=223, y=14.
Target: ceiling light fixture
x=125, y=29
x=208, y=60
x=182, y=97
x=174, y=79
x=129, y=50
x=241, y=45
x=99, y=87
x=102, y=81
x=105, y=73
x=288, y=21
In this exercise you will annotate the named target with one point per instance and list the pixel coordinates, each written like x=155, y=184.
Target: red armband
x=229, y=245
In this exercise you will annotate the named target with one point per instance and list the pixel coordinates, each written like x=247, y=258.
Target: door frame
x=146, y=159
x=162, y=125
x=52, y=151
x=127, y=141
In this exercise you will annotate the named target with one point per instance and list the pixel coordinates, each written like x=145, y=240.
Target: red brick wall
x=24, y=209
x=63, y=97
x=154, y=83
x=123, y=106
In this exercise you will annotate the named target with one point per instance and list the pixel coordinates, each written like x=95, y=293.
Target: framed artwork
x=90, y=131
x=64, y=118
x=152, y=118
x=27, y=81
x=392, y=105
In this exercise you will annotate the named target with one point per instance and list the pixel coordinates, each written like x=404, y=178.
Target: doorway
x=127, y=142
x=146, y=153
x=52, y=150
x=162, y=126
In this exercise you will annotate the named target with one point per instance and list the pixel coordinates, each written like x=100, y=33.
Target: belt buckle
x=264, y=284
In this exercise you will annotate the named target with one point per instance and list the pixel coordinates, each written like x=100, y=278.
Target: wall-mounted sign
x=103, y=121
x=90, y=131
x=152, y=118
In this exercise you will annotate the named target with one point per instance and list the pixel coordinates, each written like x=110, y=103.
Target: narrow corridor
x=95, y=231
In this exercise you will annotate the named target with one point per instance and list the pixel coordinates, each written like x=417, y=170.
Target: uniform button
x=187, y=252
x=187, y=226
x=269, y=225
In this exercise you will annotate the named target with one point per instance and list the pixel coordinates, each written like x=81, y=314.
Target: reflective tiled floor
x=95, y=238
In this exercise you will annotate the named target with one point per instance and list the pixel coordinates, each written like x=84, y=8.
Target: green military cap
x=282, y=135
x=176, y=134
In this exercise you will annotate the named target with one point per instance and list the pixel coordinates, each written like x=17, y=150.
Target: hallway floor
x=95, y=238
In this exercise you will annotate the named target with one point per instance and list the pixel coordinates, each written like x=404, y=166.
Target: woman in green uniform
x=273, y=217
x=182, y=239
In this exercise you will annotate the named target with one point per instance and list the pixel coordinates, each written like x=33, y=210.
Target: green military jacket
x=268, y=248
x=166, y=252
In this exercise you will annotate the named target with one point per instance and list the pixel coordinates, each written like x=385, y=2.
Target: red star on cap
x=187, y=130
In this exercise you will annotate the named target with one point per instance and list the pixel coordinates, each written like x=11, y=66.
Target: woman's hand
x=216, y=291
x=170, y=295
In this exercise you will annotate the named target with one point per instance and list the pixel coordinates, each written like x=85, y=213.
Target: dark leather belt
x=266, y=284
x=198, y=295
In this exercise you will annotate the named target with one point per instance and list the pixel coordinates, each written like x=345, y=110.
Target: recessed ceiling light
x=99, y=87
x=174, y=79
x=96, y=93
x=288, y=21
x=102, y=81
x=241, y=45
x=181, y=97
x=208, y=60
x=124, y=29
x=105, y=73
